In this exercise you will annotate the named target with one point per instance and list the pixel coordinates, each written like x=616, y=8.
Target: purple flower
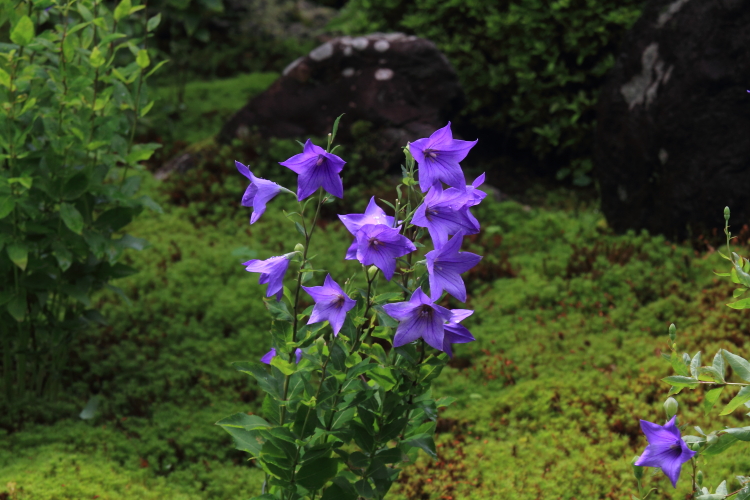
x=665, y=449
x=444, y=213
x=267, y=357
x=381, y=245
x=258, y=193
x=438, y=158
x=316, y=168
x=331, y=304
x=455, y=333
x=445, y=265
x=475, y=195
x=271, y=271
x=353, y=222
x=419, y=317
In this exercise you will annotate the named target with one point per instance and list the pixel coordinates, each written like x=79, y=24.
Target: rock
x=672, y=144
x=395, y=87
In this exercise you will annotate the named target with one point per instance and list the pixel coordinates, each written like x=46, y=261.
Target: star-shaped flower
x=455, y=333
x=381, y=245
x=267, y=357
x=353, y=222
x=331, y=304
x=316, y=168
x=444, y=268
x=418, y=318
x=665, y=449
x=473, y=192
x=258, y=193
x=271, y=271
x=438, y=157
x=444, y=213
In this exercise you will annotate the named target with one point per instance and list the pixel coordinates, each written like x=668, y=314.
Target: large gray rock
x=672, y=144
x=397, y=88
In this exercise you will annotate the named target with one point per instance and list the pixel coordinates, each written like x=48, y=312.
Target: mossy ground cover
x=570, y=321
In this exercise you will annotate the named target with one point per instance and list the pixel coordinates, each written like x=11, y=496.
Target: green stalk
x=137, y=94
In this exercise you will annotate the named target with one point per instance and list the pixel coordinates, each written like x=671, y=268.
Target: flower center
x=429, y=153
x=339, y=302
x=430, y=212
x=374, y=242
x=425, y=311
x=320, y=161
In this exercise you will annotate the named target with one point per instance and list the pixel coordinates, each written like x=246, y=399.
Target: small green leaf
x=679, y=381
x=740, y=304
x=678, y=364
x=75, y=186
x=738, y=292
x=23, y=32
x=286, y=367
x=313, y=475
x=142, y=59
x=740, y=365
x=96, y=58
x=4, y=78
x=152, y=23
x=384, y=377
x=144, y=111
x=17, y=308
x=19, y=255
x=711, y=397
x=740, y=399
x=122, y=10
x=7, y=204
x=695, y=364
x=71, y=217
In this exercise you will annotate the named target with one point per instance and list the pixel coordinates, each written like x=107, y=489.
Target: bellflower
x=267, y=357
x=438, y=157
x=316, y=168
x=420, y=317
x=353, y=222
x=381, y=245
x=474, y=194
x=455, y=333
x=445, y=265
x=331, y=304
x=665, y=449
x=258, y=193
x=271, y=271
x=444, y=213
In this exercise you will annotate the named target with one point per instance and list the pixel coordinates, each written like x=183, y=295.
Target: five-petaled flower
x=258, y=193
x=445, y=265
x=474, y=194
x=418, y=318
x=331, y=304
x=444, y=213
x=271, y=271
x=316, y=168
x=381, y=245
x=353, y=222
x=665, y=449
x=438, y=157
x=267, y=357
x=455, y=333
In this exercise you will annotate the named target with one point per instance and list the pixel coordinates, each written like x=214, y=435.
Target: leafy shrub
x=530, y=68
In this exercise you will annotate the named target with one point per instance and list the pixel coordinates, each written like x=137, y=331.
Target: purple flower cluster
x=380, y=239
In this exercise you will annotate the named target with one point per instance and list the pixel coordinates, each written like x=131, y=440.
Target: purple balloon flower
x=420, y=317
x=316, y=168
x=665, y=449
x=267, y=357
x=438, y=157
x=331, y=304
x=444, y=213
x=271, y=271
x=455, y=333
x=258, y=193
x=475, y=195
x=353, y=222
x=445, y=265
x=381, y=245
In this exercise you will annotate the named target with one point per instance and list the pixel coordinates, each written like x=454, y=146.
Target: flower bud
x=699, y=476
x=637, y=469
x=672, y=332
x=670, y=406
x=371, y=272
x=299, y=247
x=726, y=214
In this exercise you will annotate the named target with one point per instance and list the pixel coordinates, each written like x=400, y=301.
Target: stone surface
x=401, y=86
x=672, y=145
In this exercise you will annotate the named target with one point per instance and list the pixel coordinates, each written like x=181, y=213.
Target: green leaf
x=79, y=292
x=695, y=364
x=122, y=10
x=718, y=363
x=144, y=111
x=266, y=381
x=7, y=204
x=740, y=399
x=740, y=304
x=114, y=219
x=279, y=310
x=152, y=23
x=710, y=398
x=720, y=444
x=4, y=78
x=384, y=377
x=96, y=58
x=23, y=32
x=422, y=441
x=678, y=364
x=18, y=254
x=155, y=68
x=338, y=491
x=738, y=292
x=679, y=381
x=710, y=374
x=75, y=186
x=142, y=59
x=71, y=217
x=336, y=127
x=243, y=421
x=740, y=365
x=741, y=433
x=286, y=367
x=314, y=474
x=17, y=308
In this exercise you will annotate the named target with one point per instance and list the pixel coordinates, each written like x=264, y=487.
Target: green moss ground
x=569, y=321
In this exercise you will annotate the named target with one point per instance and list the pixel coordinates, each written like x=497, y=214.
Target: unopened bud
x=299, y=247
x=726, y=214
x=699, y=476
x=670, y=406
x=372, y=271
x=637, y=469
x=672, y=332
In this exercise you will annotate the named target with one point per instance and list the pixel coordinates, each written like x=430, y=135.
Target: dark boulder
x=672, y=144
x=393, y=88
